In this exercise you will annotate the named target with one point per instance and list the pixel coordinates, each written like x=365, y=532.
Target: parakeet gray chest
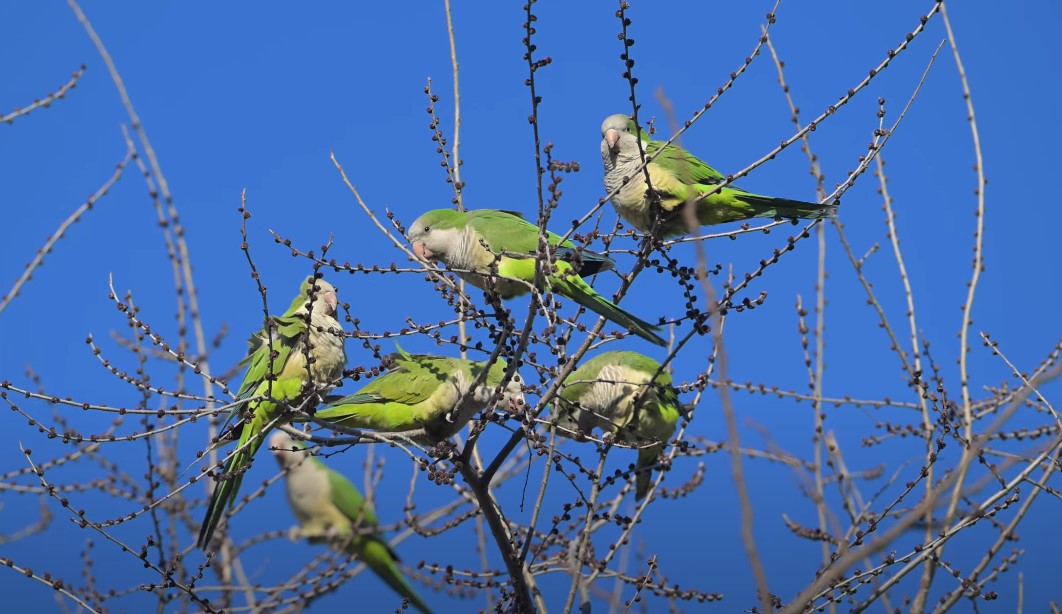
x=469, y=252
x=630, y=199
x=329, y=355
x=309, y=491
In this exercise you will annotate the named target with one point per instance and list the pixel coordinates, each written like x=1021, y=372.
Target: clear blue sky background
x=254, y=96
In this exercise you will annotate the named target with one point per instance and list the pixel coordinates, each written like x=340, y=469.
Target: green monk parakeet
x=678, y=176
x=617, y=392
x=331, y=510
x=300, y=354
x=477, y=240
x=426, y=398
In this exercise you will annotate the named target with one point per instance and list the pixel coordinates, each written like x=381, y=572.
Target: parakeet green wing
x=486, y=241
x=330, y=509
x=625, y=393
x=278, y=370
x=424, y=397
x=680, y=180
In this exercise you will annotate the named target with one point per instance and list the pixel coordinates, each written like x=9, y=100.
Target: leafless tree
x=536, y=507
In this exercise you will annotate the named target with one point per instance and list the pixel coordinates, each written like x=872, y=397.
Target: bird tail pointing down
x=228, y=482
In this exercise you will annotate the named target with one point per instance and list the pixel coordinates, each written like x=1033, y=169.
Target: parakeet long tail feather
x=603, y=307
x=646, y=459
x=592, y=262
x=220, y=499
x=641, y=487
x=225, y=490
x=379, y=558
x=767, y=206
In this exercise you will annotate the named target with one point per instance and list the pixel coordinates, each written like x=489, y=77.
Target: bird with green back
x=424, y=397
x=680, y=179
x=295, y=359
x=331, y=510
x=626, y=394
x=497, y=250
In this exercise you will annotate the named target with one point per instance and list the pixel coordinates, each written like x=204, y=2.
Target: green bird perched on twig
x=482, y=239
x=679, y=177
x=331, y=510
x=425, y=398
x=300, y=353
x=618, y=393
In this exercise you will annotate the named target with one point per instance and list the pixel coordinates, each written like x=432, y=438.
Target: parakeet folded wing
x=287, y=333
x=503, y=230
x=411, y=382
x=349, y=501
x=510, y=233
x=288, y=330
x=683, y=163
x=288, y=326
x=389, y=402
x=351, y=504
x=677, y=159
x=677, y=176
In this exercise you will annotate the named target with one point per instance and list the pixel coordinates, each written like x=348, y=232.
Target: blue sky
x=253, y=97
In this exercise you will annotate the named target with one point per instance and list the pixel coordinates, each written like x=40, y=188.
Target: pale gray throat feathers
x=614, y=166
x=609, y=161
x=465, y=251
x=626, y=162
x=328, y=348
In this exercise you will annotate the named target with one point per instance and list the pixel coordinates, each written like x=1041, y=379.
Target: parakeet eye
x=427, y=229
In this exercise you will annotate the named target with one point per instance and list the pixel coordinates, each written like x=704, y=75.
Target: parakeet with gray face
x=481, y=239
x=626, y=394
x=678, y=176
x=426, y=398
x=300, y=353
x=331, y=510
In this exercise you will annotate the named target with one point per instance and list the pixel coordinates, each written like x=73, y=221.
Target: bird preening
x=296, y=359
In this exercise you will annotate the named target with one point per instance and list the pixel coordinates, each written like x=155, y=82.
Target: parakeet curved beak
x=422, y=251
x=612, y=137
x=331, y=300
